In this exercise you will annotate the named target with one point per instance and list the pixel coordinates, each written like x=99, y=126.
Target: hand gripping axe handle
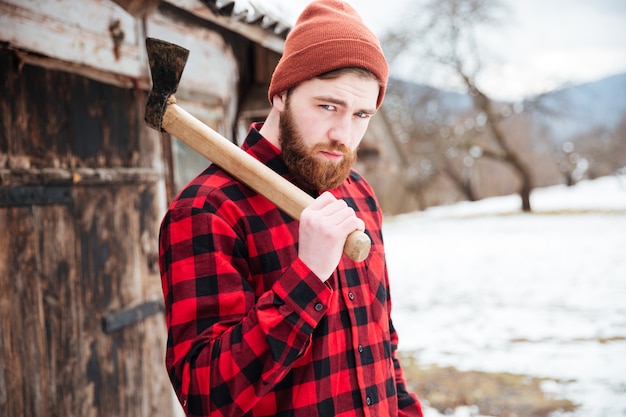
x=167, y=62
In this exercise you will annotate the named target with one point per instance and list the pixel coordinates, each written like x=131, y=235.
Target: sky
x=482, y=286
x=542, y=45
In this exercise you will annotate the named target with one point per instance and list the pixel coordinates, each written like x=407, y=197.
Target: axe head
x=167, y=62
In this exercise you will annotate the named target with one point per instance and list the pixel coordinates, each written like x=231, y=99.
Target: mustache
x=332, y=147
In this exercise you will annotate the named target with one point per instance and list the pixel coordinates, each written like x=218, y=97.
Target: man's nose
x=341, y=131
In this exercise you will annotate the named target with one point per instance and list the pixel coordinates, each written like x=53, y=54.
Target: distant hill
x=577, y=109
x=563, y=113
x=426, y=102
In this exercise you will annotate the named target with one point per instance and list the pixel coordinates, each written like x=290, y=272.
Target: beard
x=304, y=163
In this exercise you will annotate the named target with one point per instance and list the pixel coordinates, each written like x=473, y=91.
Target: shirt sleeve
x=228, y=347
x=408, y=403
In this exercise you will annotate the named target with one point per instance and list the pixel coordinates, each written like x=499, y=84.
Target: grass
x=494, y=394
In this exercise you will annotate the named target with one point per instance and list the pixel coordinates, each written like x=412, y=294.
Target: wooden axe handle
x=216, y=148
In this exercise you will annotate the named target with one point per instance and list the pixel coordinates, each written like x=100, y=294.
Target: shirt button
x=368, y=400
x=351, y=296
x=319, y=307
x=360, y=348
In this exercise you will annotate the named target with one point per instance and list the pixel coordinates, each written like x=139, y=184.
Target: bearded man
x=265, y=315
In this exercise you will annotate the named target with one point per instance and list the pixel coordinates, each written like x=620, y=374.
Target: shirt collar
x=261, y=148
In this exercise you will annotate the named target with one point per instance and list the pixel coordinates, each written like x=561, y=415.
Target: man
x=265, y=315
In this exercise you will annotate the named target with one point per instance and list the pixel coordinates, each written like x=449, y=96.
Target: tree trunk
x=484, y=103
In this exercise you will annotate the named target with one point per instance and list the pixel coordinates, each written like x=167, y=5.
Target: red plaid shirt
x=251, y=330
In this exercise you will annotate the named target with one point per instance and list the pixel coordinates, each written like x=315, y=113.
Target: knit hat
x=328, y=35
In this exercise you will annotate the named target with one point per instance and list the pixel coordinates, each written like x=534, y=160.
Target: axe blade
x=167, y=62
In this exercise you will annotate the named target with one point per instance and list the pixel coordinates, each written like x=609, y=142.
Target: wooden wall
x=81, y=329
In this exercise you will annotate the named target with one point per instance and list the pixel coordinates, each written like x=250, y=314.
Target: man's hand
x=324, y=227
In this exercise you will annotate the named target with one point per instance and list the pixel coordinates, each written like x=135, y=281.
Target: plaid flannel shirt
x=251, y=330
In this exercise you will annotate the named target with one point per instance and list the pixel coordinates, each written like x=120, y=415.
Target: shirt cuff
x=304, y=292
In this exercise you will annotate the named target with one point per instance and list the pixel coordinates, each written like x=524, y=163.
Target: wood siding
x=80, y=204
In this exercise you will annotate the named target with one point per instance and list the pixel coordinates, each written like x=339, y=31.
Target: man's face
x=321, y=125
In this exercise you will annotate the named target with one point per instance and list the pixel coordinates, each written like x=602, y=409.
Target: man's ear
x=278, y=101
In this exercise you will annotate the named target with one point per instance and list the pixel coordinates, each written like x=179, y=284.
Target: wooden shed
x=84, y=184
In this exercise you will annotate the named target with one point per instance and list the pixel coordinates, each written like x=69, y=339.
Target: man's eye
x=362, y=115
x=328, y=107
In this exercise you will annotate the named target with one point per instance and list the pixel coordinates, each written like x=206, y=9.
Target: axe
x=167, y=62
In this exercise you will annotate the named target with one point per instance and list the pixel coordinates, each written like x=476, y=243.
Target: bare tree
x=444, y=34
x=590, y=150
x=427, y=156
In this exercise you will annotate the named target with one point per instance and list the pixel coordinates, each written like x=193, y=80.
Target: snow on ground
x=482, y=286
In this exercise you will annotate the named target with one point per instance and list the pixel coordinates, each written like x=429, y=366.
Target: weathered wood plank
x=117, y=234
x=55, y=119
x=29, y=177
x=77, y=33
x=55, y=290
x=39, y=322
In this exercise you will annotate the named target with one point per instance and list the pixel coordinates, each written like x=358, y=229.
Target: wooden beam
x=29, y=177
x=95, y=34
x=255, y=32
x=138, y=8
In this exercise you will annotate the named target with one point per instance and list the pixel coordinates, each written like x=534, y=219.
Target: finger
x=349, y=222
x=322, y=201
x=337, y=212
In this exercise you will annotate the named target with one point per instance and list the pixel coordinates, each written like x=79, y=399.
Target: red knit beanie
x=328, y=35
